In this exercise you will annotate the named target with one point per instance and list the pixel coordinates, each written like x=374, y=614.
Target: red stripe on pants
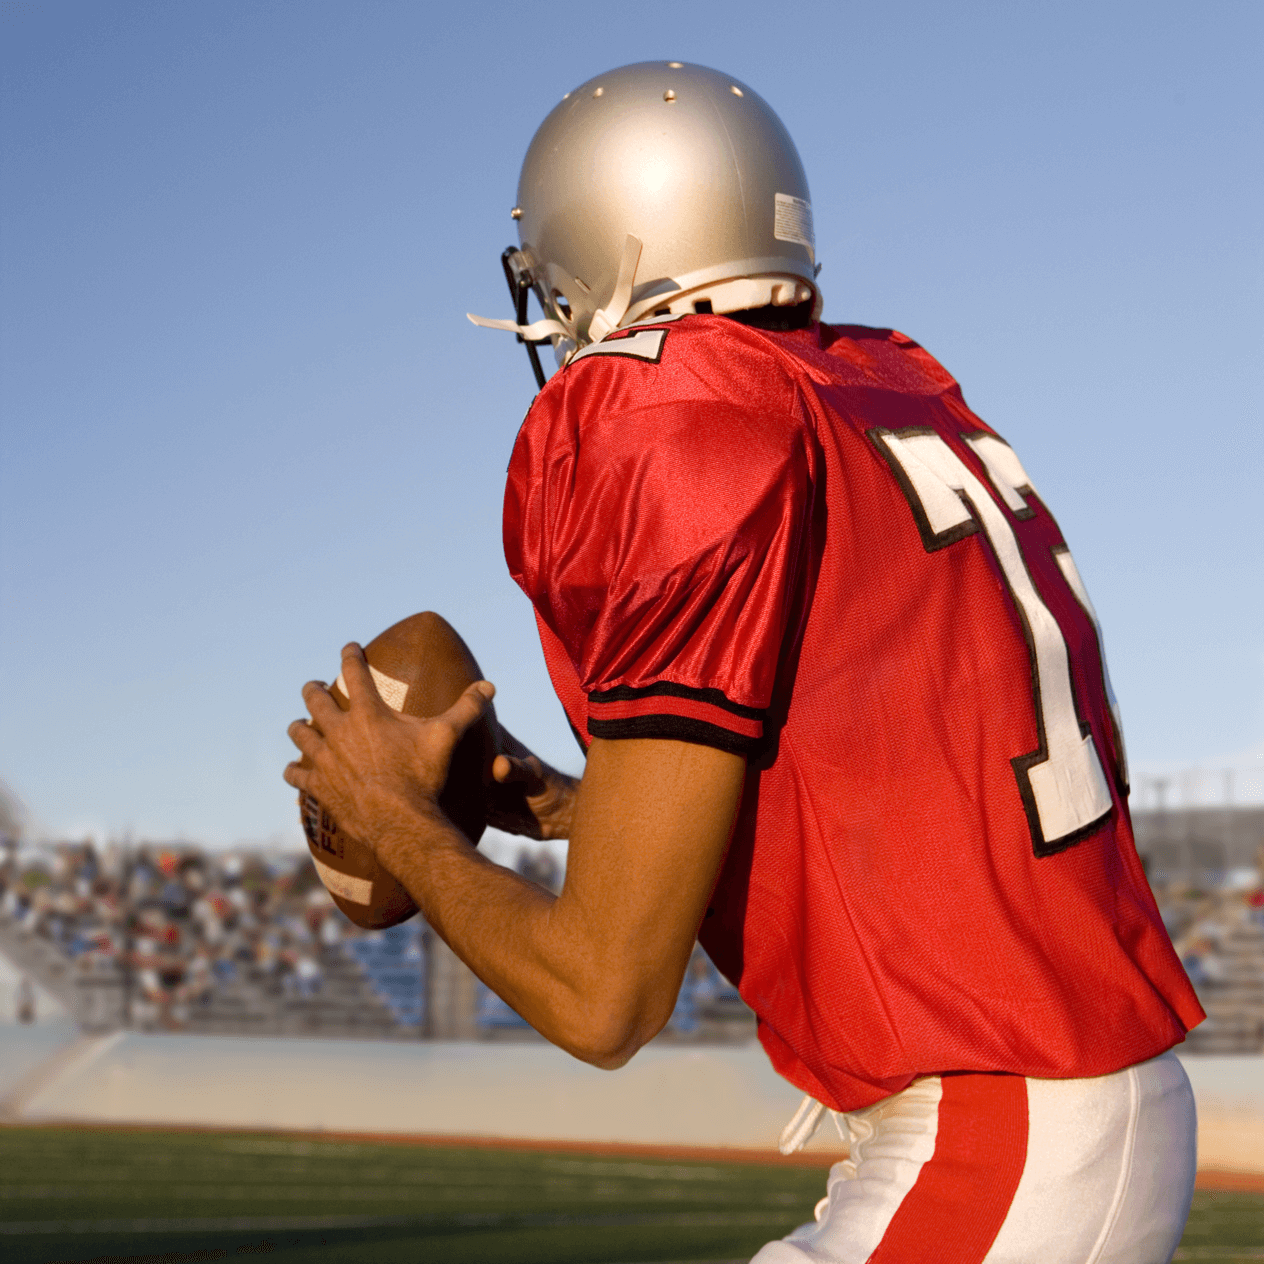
x=963, y=1193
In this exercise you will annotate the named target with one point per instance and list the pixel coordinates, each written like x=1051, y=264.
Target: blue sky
x=244, y=418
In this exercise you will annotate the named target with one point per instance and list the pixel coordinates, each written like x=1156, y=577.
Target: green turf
x=69, y=1194
x=86, y=1195
x=1223, y=1227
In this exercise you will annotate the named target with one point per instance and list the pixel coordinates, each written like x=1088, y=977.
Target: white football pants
x=998, y=1169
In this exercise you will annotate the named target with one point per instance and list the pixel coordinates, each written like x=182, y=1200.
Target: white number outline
x=645, y=344
x=1061, y=783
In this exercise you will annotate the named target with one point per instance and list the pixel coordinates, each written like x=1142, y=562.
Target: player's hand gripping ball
x=421, y=667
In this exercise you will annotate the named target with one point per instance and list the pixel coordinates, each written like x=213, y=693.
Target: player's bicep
x=651, y=827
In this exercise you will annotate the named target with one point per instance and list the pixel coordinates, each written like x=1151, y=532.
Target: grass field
x=113, y=1195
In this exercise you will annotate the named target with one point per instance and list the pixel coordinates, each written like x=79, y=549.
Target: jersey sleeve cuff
x=675, y=712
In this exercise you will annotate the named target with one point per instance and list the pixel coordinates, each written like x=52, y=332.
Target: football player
x=845, y=709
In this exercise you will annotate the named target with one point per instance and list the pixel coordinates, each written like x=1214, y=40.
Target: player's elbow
x=613, y=1028
x=606, y=1054
x=608, y=1043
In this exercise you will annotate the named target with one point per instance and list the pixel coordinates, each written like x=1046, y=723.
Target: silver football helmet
x=657, y=188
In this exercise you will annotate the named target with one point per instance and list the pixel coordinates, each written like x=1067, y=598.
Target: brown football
x=421, y=667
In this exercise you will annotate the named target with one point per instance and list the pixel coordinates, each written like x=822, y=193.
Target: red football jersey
x=804, y=547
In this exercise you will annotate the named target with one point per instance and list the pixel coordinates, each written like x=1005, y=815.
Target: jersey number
x=645, y=344
x=1062, y=784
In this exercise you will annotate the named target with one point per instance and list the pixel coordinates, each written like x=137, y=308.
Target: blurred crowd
x=1204, y=925
x=1217, y=927
x=178, y=929
x=175, y=920
x=1204, y=910
x=175, y=928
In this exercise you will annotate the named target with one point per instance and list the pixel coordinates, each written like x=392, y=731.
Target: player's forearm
x=558, y=969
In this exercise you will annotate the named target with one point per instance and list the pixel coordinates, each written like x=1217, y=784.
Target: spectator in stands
x=25, y=1001
x=1255, y=903
x=1199, y=962
x=307, y=976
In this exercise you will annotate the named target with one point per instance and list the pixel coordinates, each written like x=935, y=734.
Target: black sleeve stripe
x=669, y=689
x=675, y=728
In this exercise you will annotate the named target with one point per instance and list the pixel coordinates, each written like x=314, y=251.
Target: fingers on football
x=304, y=736
x=320, y=704
x=361, y=687
x=511, y=770
x=468, y=709
x=297, y=776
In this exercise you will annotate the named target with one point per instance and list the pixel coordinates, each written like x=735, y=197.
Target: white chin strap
x=533, y=332
x=604, y=321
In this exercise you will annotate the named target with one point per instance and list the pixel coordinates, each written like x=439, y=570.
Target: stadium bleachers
x=1220, y=938
x=173, y=938
x=394, y=964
